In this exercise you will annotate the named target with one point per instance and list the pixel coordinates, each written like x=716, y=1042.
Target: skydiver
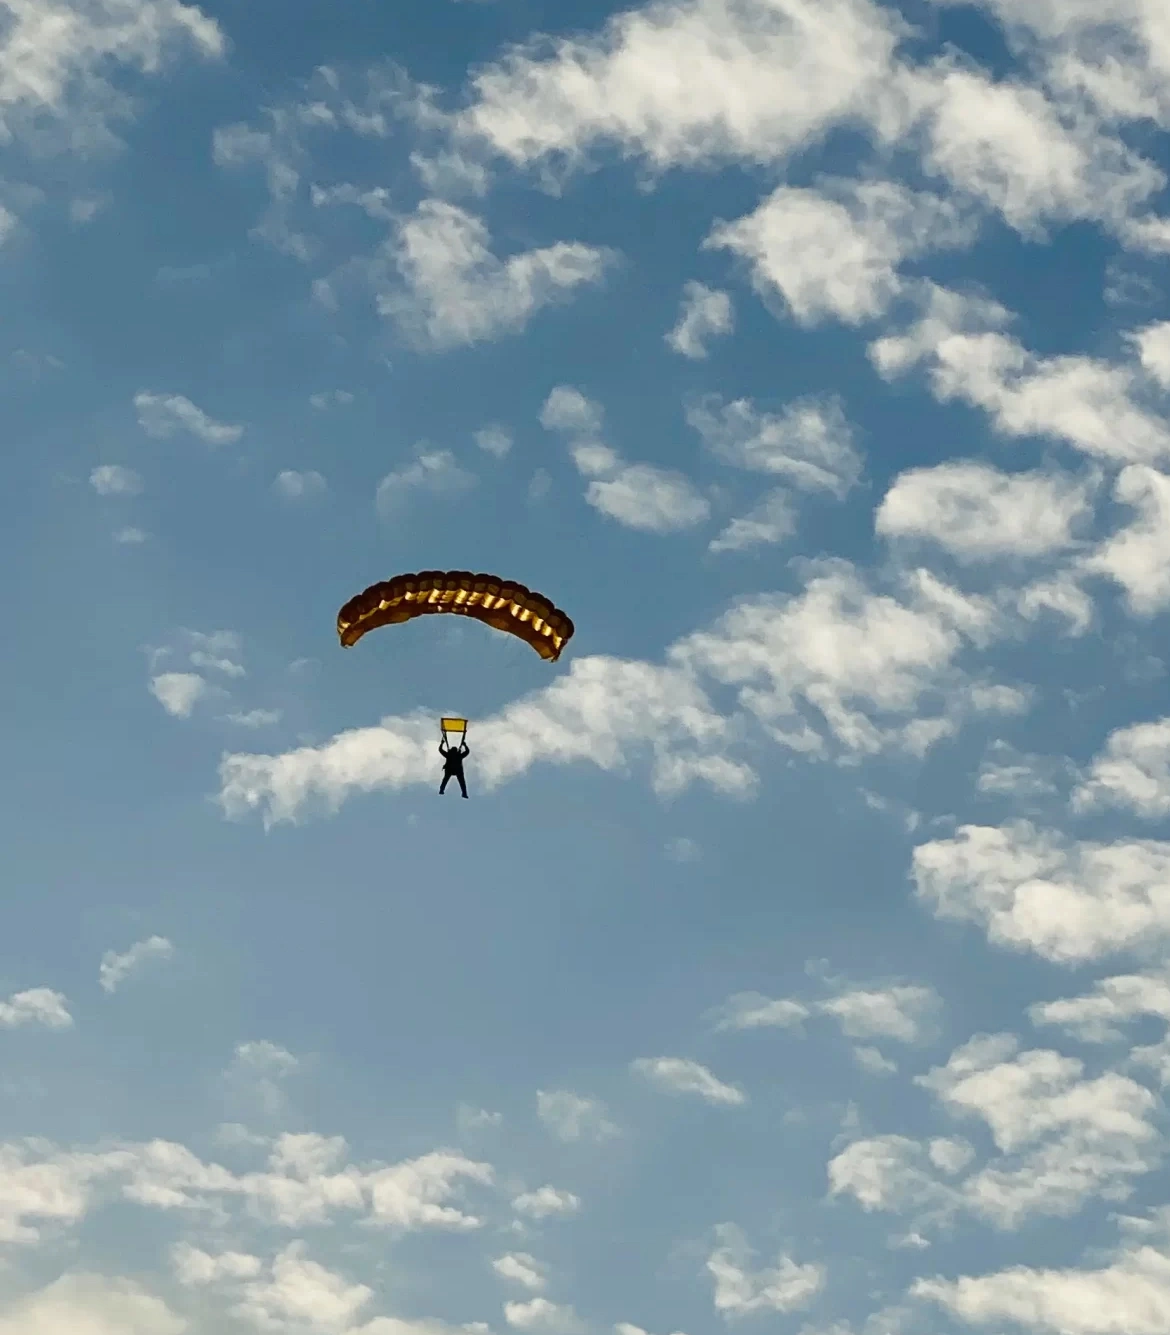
x=453, y=764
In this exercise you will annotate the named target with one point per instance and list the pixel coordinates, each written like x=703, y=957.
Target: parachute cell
x=498, y=603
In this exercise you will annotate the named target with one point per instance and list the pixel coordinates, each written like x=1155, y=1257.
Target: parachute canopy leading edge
x=498, y=603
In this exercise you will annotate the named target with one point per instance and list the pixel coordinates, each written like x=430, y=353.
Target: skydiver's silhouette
x=453, y=765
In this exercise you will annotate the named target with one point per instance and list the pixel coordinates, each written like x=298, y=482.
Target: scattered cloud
x=452, y=291
x=1137, y=557
x=679, y=1075
x=638, y=496
x=178, y=692
x=785, y=1287
x=331, y=398
x=520, y=1268
x=835, y=251
x=433, y=472
x=114, y=480
x=571, y=1117
x=541, y=1314
x=771, y=520
x=705, y=313
x=901, y=1013
x=546, y=1203
x=1066, y=900
x=36, y=1005
x=495, y=440
x=164, y=415
x=115, y=968
x=1095, y=406
x=294, y=486
x=809, y=443
x=978, y=513
x=567, y=409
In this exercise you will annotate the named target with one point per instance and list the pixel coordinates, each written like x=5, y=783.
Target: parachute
x=498, y=603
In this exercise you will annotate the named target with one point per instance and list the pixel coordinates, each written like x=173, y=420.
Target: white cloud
x=194, y=1267
x=753, y=1010
x=214, y=651
x=116, y=968
x=495, y=440
x=1138, y=557
x=294, y=486
x=1062, y=596
x=306, y=1181
x=87, y=1304
x=871, y=1060
x=470, y=1120
x=901, y=1013
x=809, y=443
x=1065, y=900
x=257, y=1072
x=1060, y=1139
x=546, y=1202
x=679, y=1075
x=56, y=58
x=114, y=480
x=178, y=692
x=331, y=398
x=162, y=415
x=254, y=718
x=739, y=1291
x=455, y=292
x=835, y=251
x=130, y=536
x=433, y=471
x=521, y=1269
x=1131, y=772
x=855, y=663
x=771, y=520
x=567, y=409
x=570, y=1117
x=895, y=1174
x=682, y=849
x=1153, y=346
x=301, y=1293
x=687, y=83
x=36, y=1005
x=640, y=496
x=1008, y=773
x=540, y=1314
x=978, y=513
x=1063, y=1138
x=904, y=1014
x=1130, y=1296
x=1091, y=404
x=705, y=313
x=1099, y=1016
x=1007, y=145
x=40, y=1185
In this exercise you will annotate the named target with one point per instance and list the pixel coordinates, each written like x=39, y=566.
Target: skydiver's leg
x=446, y=781
x=462, y=783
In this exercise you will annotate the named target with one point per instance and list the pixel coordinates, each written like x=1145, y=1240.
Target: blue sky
x=799, y=961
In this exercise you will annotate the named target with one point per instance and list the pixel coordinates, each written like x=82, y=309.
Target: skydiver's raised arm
x=464, y=749
x=443, y=747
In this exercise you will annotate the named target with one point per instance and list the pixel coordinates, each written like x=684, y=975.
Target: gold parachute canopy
x=496, y=602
